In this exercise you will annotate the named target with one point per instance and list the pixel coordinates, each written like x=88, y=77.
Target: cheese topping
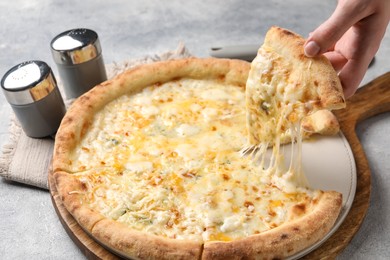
x=166, y=161
x=274, y=99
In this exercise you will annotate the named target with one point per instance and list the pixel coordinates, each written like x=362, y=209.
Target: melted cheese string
x=274, y=114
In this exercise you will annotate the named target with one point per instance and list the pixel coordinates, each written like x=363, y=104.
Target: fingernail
x=312, y=49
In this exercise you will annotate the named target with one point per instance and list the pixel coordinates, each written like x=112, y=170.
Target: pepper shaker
x=31, y=90
x=79, y=60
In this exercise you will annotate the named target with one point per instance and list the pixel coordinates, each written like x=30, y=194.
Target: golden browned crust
x=285, y=240
x=322, y=122
x=317, y=70
x=139, y=245
x=80, y=115
x=71, y=192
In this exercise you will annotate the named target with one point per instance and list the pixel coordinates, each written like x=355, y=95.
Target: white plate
x=329, y=164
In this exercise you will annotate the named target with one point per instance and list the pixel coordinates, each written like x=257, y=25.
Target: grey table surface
x=29, y=226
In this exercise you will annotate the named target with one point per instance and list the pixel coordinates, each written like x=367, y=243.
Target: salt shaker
x=79, y=60
x=31, y=89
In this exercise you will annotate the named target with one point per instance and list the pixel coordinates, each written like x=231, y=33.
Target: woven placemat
x=27, y=160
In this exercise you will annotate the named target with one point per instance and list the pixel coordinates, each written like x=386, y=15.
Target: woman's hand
x=350, y=38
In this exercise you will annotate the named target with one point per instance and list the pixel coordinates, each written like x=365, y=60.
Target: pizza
x=150, y=164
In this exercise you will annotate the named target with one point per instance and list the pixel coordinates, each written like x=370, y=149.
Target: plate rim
x=346, y=206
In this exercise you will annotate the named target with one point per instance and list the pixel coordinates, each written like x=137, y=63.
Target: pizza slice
x=284, y=86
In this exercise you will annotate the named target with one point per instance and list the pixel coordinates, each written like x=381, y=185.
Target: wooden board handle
x=370, y=100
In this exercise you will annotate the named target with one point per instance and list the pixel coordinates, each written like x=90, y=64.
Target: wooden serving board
x=370, y=100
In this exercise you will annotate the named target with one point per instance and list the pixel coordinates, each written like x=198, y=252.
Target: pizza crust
x=285, y=240
x=139, y=245
x=322, y=122
x=71, y=192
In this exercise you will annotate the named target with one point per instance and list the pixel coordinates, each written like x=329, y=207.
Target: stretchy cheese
x=275, y=111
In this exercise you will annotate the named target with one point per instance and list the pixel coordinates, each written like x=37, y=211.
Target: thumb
x=322, y=39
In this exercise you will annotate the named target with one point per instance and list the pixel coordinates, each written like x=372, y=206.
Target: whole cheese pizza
x=163, y=161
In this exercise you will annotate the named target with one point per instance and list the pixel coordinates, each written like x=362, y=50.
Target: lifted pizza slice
x=284, y=86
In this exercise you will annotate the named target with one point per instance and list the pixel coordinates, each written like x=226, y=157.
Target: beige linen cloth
x=27, y=160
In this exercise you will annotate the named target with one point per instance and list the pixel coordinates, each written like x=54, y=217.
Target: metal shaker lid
x=75, y=46
x=28, y=82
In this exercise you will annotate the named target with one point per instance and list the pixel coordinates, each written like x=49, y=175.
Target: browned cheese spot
x=225, y=177
x=189, y=174
x=83, y=186
x=85, y=149
x=248, y=203
x=299, y=209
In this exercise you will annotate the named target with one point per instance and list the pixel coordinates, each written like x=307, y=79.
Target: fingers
x=350, y=72
x=336, y=59
x=351, y=75
x=359, y=52
x=347, y=13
